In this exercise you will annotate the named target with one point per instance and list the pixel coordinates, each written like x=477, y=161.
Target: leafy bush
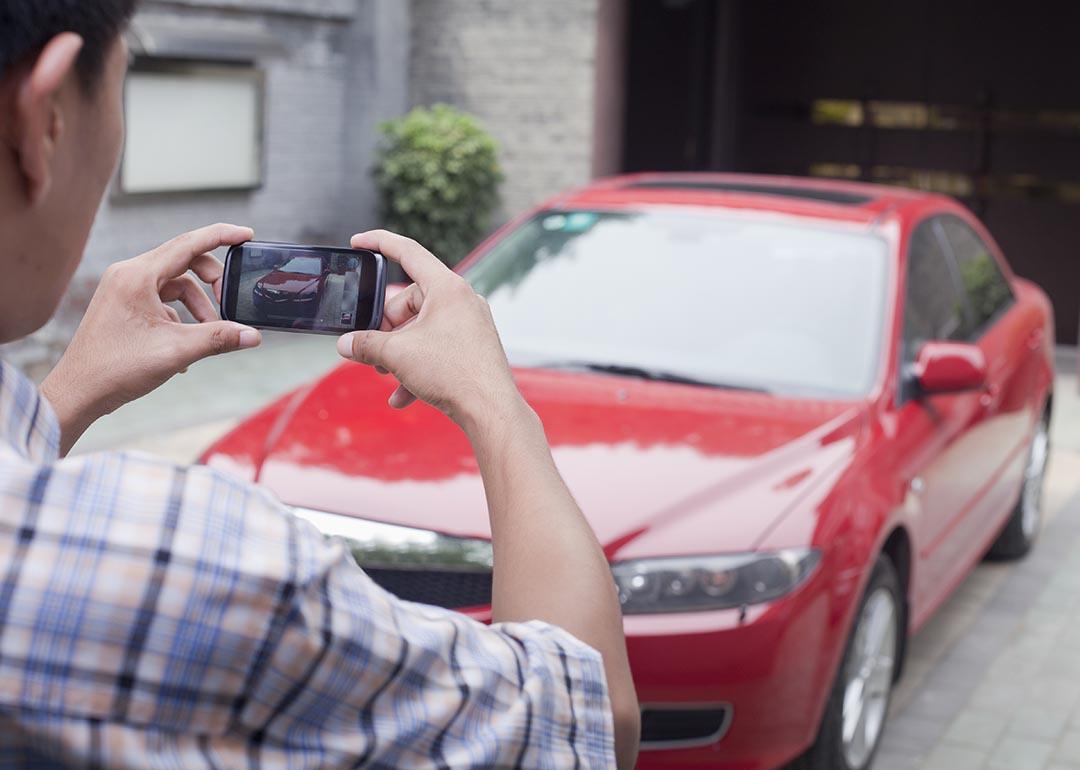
x=438, y=176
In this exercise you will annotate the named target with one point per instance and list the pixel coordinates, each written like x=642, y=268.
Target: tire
x=1022, y=529
x=830, y=750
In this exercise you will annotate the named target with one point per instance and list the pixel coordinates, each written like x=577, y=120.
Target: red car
x=291, y=289
x=796, y=412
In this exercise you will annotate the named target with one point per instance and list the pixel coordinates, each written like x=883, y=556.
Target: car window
x=933, y=306
x=987, y=289
x=732, y=300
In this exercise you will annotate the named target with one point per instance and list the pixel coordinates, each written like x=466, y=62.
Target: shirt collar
x=28, y=426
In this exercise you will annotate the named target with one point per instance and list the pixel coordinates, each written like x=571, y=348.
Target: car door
x=939, y=459
x=1003, y=332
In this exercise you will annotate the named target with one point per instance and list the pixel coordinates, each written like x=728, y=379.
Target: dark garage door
x=977, y=100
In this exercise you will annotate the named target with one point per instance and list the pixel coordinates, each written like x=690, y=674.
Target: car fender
x=853, y=525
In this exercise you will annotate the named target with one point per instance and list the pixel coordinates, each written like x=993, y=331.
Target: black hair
x=27, y=25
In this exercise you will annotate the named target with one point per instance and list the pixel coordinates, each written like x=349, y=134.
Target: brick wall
x=335, y=80
x=527, y=70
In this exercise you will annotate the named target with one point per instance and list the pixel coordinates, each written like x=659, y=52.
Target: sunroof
x=804, y=193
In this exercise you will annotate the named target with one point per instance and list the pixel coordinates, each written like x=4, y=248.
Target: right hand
x=437, y=338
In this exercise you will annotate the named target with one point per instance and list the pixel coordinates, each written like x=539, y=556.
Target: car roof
x=826, y=199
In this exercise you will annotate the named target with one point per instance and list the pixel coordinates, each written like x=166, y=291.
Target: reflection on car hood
x=292, y=283
x=656, y=467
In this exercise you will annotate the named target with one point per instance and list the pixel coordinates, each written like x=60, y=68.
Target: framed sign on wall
x=192, y=126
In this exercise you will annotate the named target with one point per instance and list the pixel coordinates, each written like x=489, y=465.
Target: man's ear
x=38, y=119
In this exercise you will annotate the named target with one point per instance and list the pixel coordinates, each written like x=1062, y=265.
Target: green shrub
x=438, y=176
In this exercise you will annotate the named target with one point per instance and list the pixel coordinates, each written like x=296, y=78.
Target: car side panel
x=958, y=457
x=990, y=455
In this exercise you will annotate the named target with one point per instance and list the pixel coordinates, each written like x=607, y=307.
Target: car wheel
x=1023, y=526
x=854, y=719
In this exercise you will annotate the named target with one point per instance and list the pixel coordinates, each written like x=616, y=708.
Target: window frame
x=164, y=65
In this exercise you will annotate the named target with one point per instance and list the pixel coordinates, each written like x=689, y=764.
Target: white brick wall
x=527, y=70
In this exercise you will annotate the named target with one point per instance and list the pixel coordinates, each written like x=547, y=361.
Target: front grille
x=669, y=727
x=453, y=589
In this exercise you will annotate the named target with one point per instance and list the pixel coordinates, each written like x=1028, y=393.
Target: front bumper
x=730, y=689
x=754, y=685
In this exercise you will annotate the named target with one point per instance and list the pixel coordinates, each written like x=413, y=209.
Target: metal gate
x=973, y=99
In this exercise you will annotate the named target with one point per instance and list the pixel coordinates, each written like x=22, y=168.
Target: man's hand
x=131, y=341
x=437, y=338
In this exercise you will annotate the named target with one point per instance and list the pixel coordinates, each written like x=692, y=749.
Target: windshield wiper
x=644, y=373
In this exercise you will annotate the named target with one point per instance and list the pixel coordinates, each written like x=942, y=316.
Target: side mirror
x=949, y=367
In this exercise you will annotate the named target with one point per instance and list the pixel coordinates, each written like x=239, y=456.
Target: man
x=153, y=615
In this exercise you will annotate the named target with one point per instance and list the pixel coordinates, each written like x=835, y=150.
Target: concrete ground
x=993, y=681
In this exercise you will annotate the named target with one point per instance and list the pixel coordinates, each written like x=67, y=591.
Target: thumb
x=367, y=347
x=401, y=398
x=216, y=337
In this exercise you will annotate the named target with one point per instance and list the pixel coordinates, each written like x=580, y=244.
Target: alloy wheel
x=1031, y=500
x=869, y=678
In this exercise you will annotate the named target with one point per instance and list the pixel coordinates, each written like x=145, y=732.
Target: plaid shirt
x=157, y=616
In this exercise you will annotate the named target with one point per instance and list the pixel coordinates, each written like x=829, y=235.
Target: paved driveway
x=993, y=681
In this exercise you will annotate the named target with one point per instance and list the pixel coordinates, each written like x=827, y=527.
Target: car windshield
x=306, y=265
x=729, y=301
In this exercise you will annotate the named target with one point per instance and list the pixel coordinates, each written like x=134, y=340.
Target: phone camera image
x=299, y=289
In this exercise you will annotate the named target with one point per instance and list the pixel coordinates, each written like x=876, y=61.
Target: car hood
x=294, y=283
x=657, y=468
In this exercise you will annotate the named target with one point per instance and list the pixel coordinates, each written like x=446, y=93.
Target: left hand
x=131, y=342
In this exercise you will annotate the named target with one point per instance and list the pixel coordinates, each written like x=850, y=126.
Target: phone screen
x=303, y=288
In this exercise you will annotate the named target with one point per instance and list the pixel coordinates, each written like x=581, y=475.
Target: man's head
x=62, y=66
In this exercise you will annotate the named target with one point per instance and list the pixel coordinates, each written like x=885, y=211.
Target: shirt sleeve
x=150, y=605
x=28, y=425
x=409, y=685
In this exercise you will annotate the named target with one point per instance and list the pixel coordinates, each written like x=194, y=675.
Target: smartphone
x=315, y=289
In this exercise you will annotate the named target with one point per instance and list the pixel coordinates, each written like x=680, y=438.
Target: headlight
x=687, y=584
x=376, y=544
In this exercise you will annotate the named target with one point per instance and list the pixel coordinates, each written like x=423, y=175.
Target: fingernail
x=249, y=338
x=344, y=346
